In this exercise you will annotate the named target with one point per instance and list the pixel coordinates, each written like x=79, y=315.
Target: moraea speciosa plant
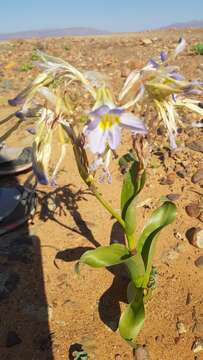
x=95, y=132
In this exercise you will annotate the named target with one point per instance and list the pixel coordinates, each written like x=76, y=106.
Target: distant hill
x=187, y=24
x=74, y=31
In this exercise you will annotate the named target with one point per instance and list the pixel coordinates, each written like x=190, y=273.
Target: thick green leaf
x=136, y=269
x=161, y=217
x=104, y=256
x=132, y=319
x=132, y=184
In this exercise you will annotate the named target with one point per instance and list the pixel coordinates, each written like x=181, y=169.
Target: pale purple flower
x=105, y=125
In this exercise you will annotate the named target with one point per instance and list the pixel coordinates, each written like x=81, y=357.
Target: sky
x=110, y=15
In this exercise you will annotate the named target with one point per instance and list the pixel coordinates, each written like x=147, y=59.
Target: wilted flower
x=161, y=86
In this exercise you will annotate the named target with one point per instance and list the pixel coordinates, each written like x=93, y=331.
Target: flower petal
x=97, y=140
x=181, y=46
x=114, y=136
x=101, y=110
x=131, y=122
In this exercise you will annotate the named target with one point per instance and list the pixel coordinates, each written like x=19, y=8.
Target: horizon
x=110, y=16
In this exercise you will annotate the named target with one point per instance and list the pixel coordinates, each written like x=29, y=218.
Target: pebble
x=199, y=262
x=146, y=41
x=141, y=353
x=12, y=339
x=196, y=145
x=195, y=237
x=169, y=180
x=181, y=327
x=197, y=177
x=173, y=197
x=193, y=209
x=197, y=345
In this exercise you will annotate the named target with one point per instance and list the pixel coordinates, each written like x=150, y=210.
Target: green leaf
x=132, y=319
x=136, y=269
x=161, y=217
x=132, y=184
x=104, y=256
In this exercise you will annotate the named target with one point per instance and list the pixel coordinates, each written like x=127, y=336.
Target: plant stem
x=131, y=242
x=107, y=206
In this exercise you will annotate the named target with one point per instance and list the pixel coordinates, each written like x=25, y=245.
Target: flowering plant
x=95, y=136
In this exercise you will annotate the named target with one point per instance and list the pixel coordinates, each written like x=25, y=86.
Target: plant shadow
x=62, y=200
x=109, y=307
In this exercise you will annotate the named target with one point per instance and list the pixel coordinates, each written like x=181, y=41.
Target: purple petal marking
x=20, y=115
x=176, y=76
x=116, y=111
x=163, y=56
x=18, y=100
x=31, y=130
x=104, y=109
x=40, y=175
x=153, y=63
x=174, y=97
x=114, y=136
x=131, y=122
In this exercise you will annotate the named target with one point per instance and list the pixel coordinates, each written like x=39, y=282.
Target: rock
x=195, y=237
x=199, y=262
x=169, y=180
x=197, y=345
x=173, y=197
x=146, y=41
x=198, y=176
x=193, y=209
x=141, y=353
x=181, y=173
x=12, y=339
x=196, y=145
x=181, y=327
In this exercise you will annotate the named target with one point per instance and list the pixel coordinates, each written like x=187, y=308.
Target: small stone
x=196, y=145
x=193, y=209
x=181, y=327
x=181, y=173
x=146, y=41
x=197, y=346
x=199, y=262
x=12, y=339
x=195, y=237
x=169, y=180
x=141, y=353
x=173, y=197
x=197, y=177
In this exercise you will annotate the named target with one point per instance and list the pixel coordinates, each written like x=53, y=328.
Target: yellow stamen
x=108, y=120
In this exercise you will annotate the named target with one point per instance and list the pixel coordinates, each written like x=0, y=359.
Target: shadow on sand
x=24, y=312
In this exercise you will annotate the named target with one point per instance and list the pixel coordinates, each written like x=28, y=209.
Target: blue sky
x=112, y=15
